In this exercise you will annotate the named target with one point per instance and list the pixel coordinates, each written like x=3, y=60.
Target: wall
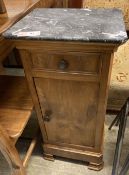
x=122, y=4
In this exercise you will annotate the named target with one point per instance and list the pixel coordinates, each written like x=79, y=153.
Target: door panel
x=72, y=106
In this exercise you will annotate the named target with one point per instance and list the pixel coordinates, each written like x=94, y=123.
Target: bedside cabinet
x=70, y=86
x=68, y=75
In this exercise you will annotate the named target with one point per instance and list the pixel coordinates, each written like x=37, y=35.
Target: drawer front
x=90, y=63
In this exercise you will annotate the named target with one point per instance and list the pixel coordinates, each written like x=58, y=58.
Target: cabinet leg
x=95, y=167
x=48, y=157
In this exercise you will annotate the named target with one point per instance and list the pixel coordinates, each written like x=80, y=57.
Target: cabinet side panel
x=102, y=103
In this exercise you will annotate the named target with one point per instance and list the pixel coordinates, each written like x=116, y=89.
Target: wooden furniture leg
x=48, y=157
x=29, y=152
x=96, y=167
x=2, y=7
x=10, y=152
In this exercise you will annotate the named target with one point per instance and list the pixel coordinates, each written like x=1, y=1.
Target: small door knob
x=63, y=64
x=47, y=115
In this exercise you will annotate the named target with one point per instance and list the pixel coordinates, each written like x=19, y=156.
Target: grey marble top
x=88, y=25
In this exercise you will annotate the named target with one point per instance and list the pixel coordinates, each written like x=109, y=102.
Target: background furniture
x=119, y=84
x=73, y=3
x=2, y=7
x=15, y=110
x=51, y=3
x=15, y=10
x=69, y=80
x=121, y=120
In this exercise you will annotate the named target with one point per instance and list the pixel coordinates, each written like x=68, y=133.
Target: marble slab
x=86, y=25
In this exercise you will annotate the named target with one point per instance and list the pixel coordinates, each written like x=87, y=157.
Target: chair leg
x=10, y=153
x=125, y=167
x=18, y=172
x=2, y=7
x=116, y=121
x=29, y=152
x=120, y=137
x=31, y=148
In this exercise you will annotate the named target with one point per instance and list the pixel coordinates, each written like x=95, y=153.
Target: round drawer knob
x=47, y=115
x=63, y=64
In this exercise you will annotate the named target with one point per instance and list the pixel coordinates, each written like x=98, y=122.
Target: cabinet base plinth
x=95, y=167
x=48, y=157
x=95, y=159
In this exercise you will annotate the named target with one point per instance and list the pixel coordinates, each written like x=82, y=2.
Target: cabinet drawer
x=90, y=63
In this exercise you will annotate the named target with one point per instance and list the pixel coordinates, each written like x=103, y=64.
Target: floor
x=39, y=166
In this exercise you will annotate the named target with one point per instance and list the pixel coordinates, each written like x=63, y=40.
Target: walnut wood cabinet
x=69, y=83
x=67, y=58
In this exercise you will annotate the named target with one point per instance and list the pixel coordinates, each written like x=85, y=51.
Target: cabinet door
x=71, y=108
